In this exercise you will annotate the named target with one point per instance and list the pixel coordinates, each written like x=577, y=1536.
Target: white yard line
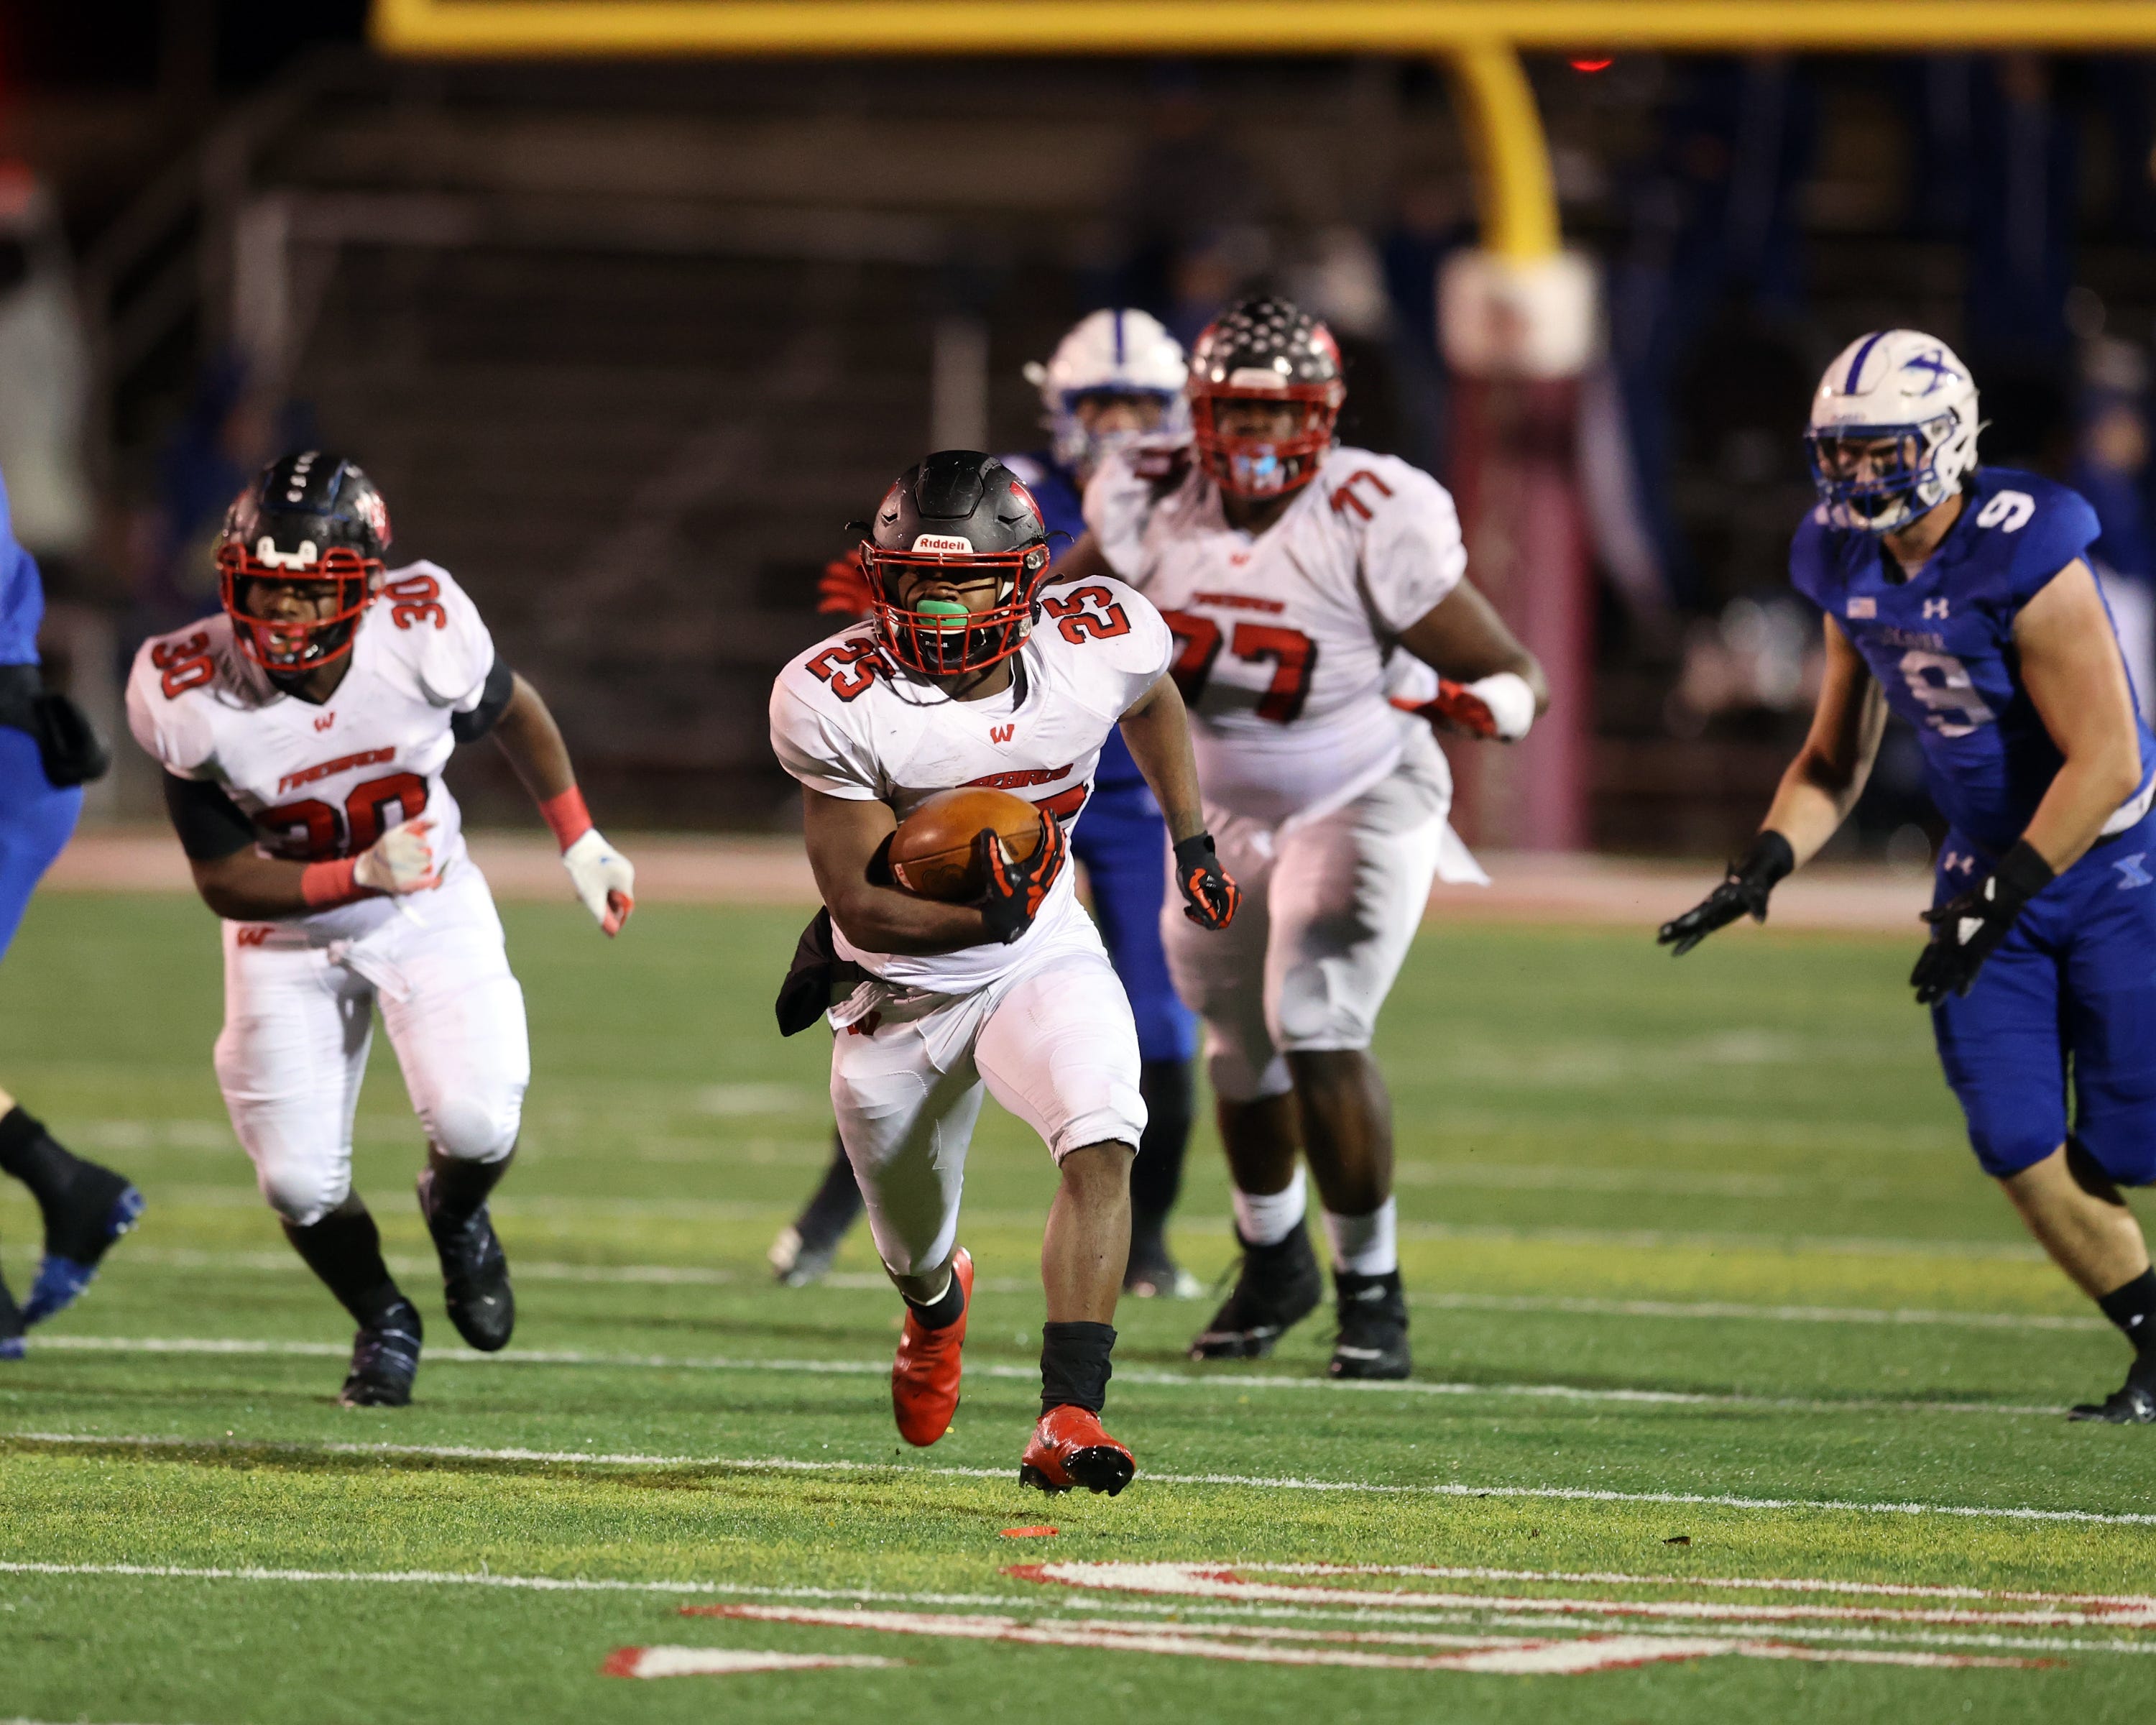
x=1136, y=1378
x=869, y=1281
x=1640, y=1239
x=780, y=1464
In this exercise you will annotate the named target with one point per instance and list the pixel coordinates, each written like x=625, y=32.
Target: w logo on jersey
x=325, y=721
x=1002, y=733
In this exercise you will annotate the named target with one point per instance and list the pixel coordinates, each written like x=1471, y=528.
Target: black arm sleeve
x=493, y=696
x=209, y=823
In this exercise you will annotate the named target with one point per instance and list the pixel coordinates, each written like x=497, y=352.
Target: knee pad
x=301, y=1190
x=472, y=1128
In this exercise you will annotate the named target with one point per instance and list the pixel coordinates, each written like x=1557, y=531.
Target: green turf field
x=1696, y=1255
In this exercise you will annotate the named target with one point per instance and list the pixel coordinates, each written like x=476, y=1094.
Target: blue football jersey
x=22, y=595
x=1940, y=644
x=1062, y=506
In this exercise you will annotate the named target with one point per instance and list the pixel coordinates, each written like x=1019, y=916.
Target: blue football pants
x=35, y=822
x=1123, y=844
x=2067, y=1001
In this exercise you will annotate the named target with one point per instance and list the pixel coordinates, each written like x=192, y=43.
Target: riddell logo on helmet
x=267, y=554
x=941, y=542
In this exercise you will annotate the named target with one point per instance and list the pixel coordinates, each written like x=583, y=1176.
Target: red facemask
x=297, y=645
x=1261, y=467
x=928, y=644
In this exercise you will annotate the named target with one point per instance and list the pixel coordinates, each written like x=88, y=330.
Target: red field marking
x=1028, y=1532
x=728, y=1662
x=1210, y=1582
x=1501, y=1656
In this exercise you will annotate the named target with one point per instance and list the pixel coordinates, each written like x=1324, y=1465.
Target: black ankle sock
x=459, y=1188
x=1157, y=1175
x=942, y=1311
x=1074, y=1365
x=837, y=1201
x=344, y=1249
x=27, y=1152
x=2133, y=1308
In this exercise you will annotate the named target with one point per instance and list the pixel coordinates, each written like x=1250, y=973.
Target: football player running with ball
x=1962, y=599
x=1116, y=376
x=1289, y=571
x=966, y=675
x=303, y=732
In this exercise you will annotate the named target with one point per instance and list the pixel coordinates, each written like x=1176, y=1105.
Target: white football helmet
x=1892, y=383
x=1112, y=352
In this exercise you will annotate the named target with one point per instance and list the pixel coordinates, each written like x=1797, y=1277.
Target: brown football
x=931, y=853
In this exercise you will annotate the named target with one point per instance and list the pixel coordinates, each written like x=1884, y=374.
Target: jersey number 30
x=311, y=830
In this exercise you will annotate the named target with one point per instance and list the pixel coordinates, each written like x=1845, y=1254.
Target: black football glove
x=1967, y=925
x=1743, y=893
x=1210, y=896
x=1017, y=890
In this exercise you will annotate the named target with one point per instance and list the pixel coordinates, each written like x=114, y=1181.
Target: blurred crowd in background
x=1748, y=216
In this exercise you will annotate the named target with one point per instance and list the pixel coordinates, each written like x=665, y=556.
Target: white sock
x=1365, y=1245
x=1267, y=1219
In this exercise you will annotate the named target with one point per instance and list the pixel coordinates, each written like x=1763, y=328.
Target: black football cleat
x=799, y=1262
x=101, y=1207
x=475, y=1273
x=1373, y=1327
x=11, y=1326
x=1278, y=1287
x=2133, y=1404
x=1151, y=1272
x=385, y=1359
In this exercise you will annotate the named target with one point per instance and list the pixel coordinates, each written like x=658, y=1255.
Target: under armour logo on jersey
x=1002, y=733
x=2131, y=873
x=325, y=721
x=1935, y=608
x=1954, y=862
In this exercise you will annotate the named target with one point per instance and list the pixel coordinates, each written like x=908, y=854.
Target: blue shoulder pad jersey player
x=1116, y=375
x=46, y=753
x=1962, y=599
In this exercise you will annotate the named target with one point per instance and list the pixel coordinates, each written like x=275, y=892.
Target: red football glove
x=1017, y=890
x=1457, y=709
x=1210, y=896
x=843, y=589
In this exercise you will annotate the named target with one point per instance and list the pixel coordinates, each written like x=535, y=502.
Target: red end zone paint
x=1028, y=1532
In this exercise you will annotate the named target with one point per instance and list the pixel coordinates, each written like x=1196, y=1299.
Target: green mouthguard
x=940, y=613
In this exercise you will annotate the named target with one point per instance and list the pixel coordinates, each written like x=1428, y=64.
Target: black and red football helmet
x=958, y=516
x=1270, y=350
x=310, y=519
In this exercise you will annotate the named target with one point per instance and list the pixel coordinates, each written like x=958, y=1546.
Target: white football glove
x=604, y=879
x=401, y=861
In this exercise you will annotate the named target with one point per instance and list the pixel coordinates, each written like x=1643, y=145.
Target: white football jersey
x=1283, y=639
x=846, y=722
x=325, y=782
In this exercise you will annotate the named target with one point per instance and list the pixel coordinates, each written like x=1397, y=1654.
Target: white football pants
x=1330, y=907
x=1052, y=1041
x=299, y=1018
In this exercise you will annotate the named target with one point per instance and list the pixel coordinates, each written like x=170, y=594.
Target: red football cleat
x=1069, y=1449
x=924, y=1377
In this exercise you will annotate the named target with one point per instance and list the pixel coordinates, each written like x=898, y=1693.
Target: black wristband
x=1766, y=859
x=2022, y=873
x=1197, y=849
